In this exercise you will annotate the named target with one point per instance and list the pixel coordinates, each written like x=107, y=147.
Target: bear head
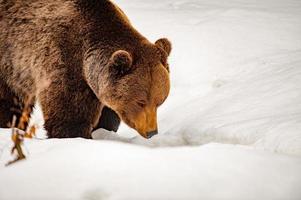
x=134, y=84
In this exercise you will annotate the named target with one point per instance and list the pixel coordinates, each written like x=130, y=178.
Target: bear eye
x=141, y=104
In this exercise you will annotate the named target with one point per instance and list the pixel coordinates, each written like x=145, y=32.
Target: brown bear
x=85, y=64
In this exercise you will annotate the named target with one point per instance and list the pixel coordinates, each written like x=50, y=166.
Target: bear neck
x=96, y=71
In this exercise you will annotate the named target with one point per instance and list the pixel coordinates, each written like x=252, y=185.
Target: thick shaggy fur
x=81, y=59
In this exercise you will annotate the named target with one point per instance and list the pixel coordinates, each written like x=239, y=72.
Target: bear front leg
x=109, y=120
x=69, y=111
x=67, y=128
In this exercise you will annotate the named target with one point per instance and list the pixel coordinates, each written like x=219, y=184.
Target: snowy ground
x=231, y=128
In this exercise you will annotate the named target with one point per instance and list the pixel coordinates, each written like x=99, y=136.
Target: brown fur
x=78, y=57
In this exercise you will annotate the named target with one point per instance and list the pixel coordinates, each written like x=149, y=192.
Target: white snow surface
x=230, y=129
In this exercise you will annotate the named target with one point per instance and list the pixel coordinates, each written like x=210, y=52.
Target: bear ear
x=120, y=62
x=165, y=44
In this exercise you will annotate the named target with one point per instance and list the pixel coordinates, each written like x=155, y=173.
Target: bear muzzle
x=151, y=133
x=146, y=122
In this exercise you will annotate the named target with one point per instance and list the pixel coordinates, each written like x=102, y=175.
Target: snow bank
x=86, y=169
x=229, y=130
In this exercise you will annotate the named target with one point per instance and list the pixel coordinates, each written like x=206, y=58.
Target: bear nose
x=151, y=134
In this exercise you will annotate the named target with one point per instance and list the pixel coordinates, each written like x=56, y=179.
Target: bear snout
x=151, y=134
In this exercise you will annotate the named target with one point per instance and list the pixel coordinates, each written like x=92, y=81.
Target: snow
x=230, y=128
x=85, y=169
